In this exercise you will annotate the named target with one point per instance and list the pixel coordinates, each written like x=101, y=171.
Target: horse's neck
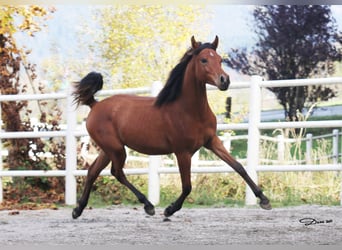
x=194, y=97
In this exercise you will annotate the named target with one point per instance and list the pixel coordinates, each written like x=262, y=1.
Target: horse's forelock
x=191, y=51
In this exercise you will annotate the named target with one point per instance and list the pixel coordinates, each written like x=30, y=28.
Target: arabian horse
x=179, y=120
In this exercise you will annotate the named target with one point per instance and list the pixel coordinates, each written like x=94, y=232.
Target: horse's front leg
x=217, y=147
x=94, y=170
x=184, y=164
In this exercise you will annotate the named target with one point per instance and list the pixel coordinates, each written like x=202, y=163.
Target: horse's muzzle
x=224, y=82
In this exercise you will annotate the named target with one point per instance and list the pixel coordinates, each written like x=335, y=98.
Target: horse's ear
x=215, y=42
x=194, y=44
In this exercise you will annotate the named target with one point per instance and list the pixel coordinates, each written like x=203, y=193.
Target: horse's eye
x=204, y=61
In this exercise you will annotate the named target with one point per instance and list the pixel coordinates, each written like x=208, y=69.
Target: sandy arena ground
x=119, y=225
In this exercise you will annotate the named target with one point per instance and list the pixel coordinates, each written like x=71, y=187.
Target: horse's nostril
x=223, y=79
x=224, y=82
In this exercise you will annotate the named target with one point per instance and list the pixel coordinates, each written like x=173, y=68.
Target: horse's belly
x=146, y=140
x=148, y=143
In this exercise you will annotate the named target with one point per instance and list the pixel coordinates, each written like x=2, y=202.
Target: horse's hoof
x=265, y=205
x=168, y=211
x=75, y=213
x=149, y=209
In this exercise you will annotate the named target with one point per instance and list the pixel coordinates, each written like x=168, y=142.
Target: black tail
x=86, y=88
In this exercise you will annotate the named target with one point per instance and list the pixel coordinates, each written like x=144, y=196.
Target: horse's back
x=120, y=110
x=120, y=105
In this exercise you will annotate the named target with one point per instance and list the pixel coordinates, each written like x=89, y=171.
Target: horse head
x=208, y=64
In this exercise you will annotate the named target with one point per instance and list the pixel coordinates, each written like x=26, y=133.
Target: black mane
x=173, y=86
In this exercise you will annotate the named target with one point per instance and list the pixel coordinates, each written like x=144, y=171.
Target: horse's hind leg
x=94, y=170
x=118, y=161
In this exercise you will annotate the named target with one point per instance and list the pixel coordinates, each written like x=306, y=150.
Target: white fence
x=155, y=166
x=280, y=143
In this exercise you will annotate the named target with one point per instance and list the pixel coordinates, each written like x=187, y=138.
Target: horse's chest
x=187, y=132
x=194, y=135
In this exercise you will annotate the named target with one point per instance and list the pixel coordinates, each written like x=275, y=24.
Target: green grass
x=228, y=190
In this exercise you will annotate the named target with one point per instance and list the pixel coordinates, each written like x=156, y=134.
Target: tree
x=11, y=60
x=140, y=44
x=294, y=41
x=16, y=114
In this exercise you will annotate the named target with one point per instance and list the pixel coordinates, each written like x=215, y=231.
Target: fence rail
x=281, y=142
x=253, y=127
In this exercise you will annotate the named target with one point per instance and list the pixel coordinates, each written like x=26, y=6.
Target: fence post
x=281, y=148
x=154, y=161
x=195, y=159
x=308, y=148
x=71, y=152
x=227, y=143
x=153, y=179
x=335, y=146
x=253, y=136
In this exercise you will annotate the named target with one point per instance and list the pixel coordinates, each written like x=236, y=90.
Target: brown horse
x=178, y=121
